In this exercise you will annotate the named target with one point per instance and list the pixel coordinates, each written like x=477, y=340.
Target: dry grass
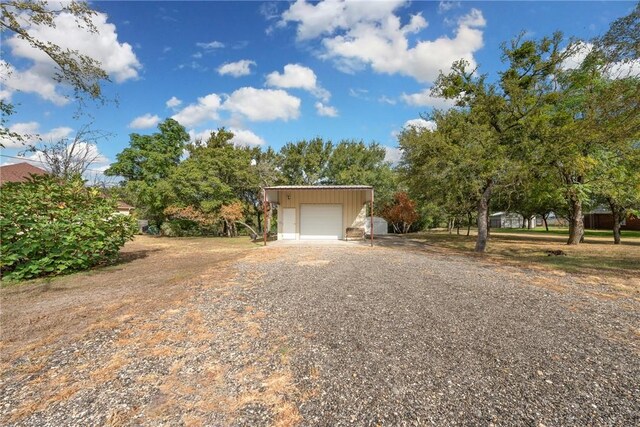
x=597, y=260
x=151, y=306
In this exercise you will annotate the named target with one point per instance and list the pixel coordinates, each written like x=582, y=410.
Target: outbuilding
x=320, y=212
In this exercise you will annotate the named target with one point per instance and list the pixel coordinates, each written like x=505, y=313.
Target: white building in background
x=511, y=220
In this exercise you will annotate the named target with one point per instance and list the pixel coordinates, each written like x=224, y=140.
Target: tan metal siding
x=352, y=202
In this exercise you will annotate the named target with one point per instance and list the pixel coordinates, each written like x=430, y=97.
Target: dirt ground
x=157, y=339
x=225, y=332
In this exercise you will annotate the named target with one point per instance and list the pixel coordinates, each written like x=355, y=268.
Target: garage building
x=319, y=212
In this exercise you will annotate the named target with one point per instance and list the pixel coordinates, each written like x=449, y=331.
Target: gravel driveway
x=208, y=332
x=398, y=337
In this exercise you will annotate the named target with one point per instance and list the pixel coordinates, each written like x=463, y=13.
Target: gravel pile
x=393, y=337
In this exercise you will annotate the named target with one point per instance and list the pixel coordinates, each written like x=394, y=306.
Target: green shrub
x=49, y=226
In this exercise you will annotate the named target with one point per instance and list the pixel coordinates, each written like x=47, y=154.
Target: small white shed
x=380, y=226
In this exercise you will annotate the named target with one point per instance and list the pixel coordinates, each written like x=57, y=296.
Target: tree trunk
x=483, y=218
x=259, y=216
x=524, y=222
x=619, y=214
x=267, y=219
x=616, y=229
x=469, y=223
x=576, y=220
x=544, y=219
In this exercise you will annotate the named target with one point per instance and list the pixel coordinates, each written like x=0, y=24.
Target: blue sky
x=276, y=72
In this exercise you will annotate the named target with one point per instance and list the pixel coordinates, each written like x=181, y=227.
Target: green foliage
x=476, y=150
x=51, y=226
x=147, y=164
x=355, y=163
x=319, y=162
x=181, y=228
x=305, y=162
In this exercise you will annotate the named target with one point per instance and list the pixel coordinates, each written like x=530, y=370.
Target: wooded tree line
x=210, y=186
x=542, y=136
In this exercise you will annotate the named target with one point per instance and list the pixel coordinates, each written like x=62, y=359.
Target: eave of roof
x=320, y=187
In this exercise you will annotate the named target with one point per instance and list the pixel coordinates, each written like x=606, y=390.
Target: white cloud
x=420, y=124
x=197, y=55
x=263, y=104
x=326, y=110
x=386, y=100
x=202, y=135
x=211, y=45
x=173, y=102
x=205, y=109
x=393, y=154
x=615, y=71
x=296, y=76
x=245, y=138
x=144, y=122
x=56, y=134
x=241, y=137
x=246, y=102
x=359, y=93
x=117, y=59
x=358, y=34
x=27, y=130
x=37, y=79
x=424, y=99
x=236, y=69
x=445, y=6
x=30, y=132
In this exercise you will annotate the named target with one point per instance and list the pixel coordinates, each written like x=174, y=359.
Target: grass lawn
x=597, y=256
x=563, y=231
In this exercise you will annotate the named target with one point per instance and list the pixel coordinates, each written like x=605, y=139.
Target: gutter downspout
x=264, y=204
x=371, y=217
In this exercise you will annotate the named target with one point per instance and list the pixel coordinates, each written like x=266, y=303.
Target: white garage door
x=321, y=222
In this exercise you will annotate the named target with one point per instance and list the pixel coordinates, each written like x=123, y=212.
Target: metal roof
x=320, y=187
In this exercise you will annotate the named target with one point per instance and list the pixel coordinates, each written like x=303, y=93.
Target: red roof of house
x=19, y=172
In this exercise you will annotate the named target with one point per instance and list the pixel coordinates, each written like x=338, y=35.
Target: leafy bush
x=49, y=226
x=180, y=228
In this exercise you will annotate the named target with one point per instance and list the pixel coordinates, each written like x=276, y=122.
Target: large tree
x=147, y=163
x=457, y=166
x=592, y=116
x=492, y=118
x=618, y=186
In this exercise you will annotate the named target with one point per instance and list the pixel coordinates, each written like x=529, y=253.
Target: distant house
x=511, y=220
x=601, y=218
x=124, y=208
x=19, y=172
